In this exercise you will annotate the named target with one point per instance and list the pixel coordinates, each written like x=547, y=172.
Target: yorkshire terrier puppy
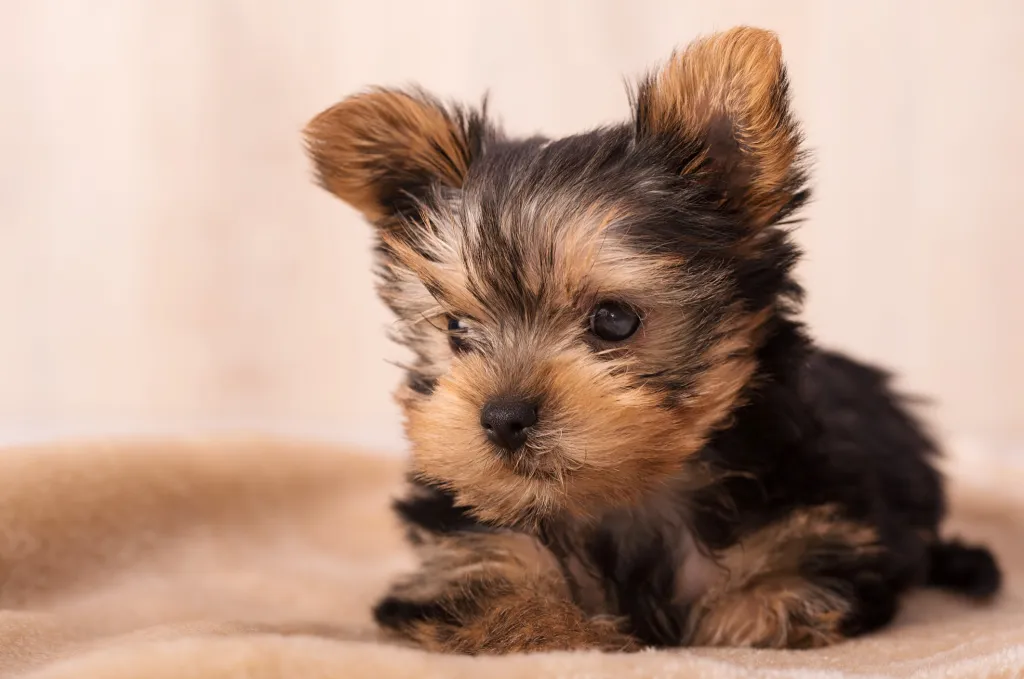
x=622, y=435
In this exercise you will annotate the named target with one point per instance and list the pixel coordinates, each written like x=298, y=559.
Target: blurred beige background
x=166, y=265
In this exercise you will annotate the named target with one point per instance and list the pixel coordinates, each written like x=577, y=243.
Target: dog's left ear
x=724, y=103
x=383, y=150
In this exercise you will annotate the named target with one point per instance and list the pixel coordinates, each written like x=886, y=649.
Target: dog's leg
x=807, y=581
x=492, y=593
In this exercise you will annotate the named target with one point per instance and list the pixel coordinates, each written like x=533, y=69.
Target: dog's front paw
x=402, y=616
x=496, y=619
x=492, y=594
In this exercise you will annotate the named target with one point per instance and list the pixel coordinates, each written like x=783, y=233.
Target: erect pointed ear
x=725, y=98
x=383, y=150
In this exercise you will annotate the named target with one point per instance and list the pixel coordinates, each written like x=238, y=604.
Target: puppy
x=622, y=435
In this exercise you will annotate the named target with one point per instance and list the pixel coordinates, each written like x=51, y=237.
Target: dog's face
x=583, y=312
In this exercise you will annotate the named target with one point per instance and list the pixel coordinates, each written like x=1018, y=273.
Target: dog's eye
x=613, y=322
x=457, y=330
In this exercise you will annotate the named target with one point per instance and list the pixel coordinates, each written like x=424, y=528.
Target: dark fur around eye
x=457, y=335
x=613, y=321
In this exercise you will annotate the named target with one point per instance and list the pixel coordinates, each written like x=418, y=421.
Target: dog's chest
x=647, y=555
x=696, y=573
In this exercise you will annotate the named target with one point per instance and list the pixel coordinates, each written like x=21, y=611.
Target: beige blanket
x=261, y=559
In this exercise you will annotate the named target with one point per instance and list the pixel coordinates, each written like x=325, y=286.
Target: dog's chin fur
x=716, y=433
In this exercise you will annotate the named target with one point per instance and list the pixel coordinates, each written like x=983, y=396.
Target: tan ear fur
x=729, y=92
x=374, y=150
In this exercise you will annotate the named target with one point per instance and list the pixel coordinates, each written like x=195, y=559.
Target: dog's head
x=584, y=312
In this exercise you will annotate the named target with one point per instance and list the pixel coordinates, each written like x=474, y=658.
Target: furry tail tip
x=965, y=569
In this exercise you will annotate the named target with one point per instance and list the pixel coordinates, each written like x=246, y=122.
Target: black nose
x=506, y=422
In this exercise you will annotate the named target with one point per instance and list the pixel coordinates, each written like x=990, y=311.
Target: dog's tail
x=966, y=569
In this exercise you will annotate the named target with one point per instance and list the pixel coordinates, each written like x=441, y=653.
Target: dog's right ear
x=383, y=151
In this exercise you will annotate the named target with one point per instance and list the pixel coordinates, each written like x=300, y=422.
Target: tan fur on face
x=730, y=367
x=605, y=439
x=601, y=446
x=732, y=84
x=605, y=443
x=762, y=600
x=353, y=141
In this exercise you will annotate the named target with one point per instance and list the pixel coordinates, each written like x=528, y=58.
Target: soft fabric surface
x=261, y=559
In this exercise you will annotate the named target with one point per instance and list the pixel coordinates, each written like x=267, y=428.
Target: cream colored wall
x=166, y=264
